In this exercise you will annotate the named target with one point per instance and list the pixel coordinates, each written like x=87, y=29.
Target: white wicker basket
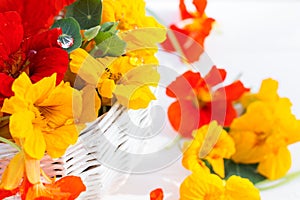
x=101, y=156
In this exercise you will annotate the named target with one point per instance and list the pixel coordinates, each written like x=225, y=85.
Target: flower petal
x=48, y=61
x=184, y=84
x=184, y=117
x=5, y=88
x=157, y=194
x=46, y=39
x=21, y=85
x=41, y=19
x=60, y=139
x=201, y=186
x=75, y=190
x=58, y=107
x=42, y=89
x=133, y=96
x=34, y=144
x=240, y=188
x=14, y=172
x=268, y=90
x=11, y=34
x=86, y=66
x=215, y=76
x=233, y=91
x=276, y=164
x=20, y=124
x=33, y=170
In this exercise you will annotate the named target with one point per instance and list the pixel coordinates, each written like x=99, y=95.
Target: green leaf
x=91, y=33
x=86, y=12
x=113, y=46
x=71, y=37
x=102, y=36
x=109, y=27
x=244, y=170
x=107, y=30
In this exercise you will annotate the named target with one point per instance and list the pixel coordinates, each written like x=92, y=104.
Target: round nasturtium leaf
x=71, y=38
x=88, y=13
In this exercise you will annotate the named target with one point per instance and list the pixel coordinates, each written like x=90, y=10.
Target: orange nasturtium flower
x=202, y=186
x=66, y=188
x=190, y=32
x=212, y=143
x=199, y=102
x=42, y=116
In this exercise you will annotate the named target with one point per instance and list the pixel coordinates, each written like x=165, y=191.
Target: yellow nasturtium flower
x=130, y=14
x=202, y=186
x=262, y=135
x=42, y=116
x=128, y=78
x=212, y=143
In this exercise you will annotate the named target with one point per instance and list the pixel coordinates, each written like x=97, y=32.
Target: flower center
x=17, y=63
x=203, y=97
x=261, y=137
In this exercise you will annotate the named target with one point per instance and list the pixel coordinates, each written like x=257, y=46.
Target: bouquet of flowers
x=64, y=63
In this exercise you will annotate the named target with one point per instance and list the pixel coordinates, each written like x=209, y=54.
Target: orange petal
x=75, y=190
x=215, y=76
x=157, y=194
x=234, y=91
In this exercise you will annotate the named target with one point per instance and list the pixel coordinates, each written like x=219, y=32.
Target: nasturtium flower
x=198, y=102
x=190, y=32
x=157, y=194
x=212, y=143
x=42, y=115
x=262, y=135
x=202, y=186
x=117, y=78
x=38, y=55
x=68, y=187
x=130, y=14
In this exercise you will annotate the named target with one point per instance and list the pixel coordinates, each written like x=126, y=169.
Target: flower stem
x=174, y=142
x=268, y=184
x=14, y=145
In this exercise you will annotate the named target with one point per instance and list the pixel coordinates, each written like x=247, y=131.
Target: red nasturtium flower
x=190, y=32
x=27, y=44
x=157, y=194
x=198, y=102
x=37, y=16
